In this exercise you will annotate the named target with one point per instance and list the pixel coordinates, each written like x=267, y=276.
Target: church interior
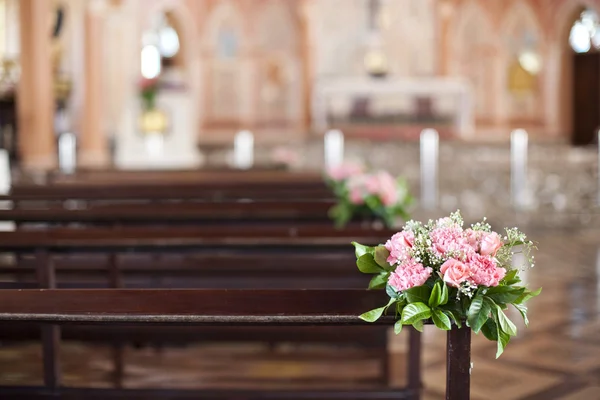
x=153, y=152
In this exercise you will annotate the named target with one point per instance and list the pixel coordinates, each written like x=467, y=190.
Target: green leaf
x=414, y=312
x=398, y=327
x=379, y=281
x=455, y=317
x=523, y=310
x=489, y=330
x=504, y=294
x=418, y=294
x=380, y=255
x=444, y=297
x=503, y=339
x=435, y=298
x=511, y=277
x=361, y=250
x=391, y=291
x=527, y=295
x=478, y=313
x=375, y=314
x=441, y=320
x=418, y=325
x=505, y=324
x=367, y=265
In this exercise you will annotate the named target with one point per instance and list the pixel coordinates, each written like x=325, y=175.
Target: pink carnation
x=345, y=171
x=447, y=239
x=399, y=246
x=409, y=274
x=484, y=271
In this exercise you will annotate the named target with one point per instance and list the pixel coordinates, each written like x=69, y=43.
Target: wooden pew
x=338, y=308
x=206, y=185
x=221, y=249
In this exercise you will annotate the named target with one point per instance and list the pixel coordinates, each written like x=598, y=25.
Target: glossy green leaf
x=479, y=312
x=490, y=330
x=375, y=314
x=441, y=320
x=398, y=327
x=505, y=324
x=503, y=339
x=367, y=265
x=523, y=310
x=435, y=298
x=444, y=297
x=361, y=250
x=379, y=281
x=391, y=291
x=418, y=325
x=527, y=295
x=414, y=312
x=381, y=255
x=419, y=294
x=454, y=317
x=511, y=277
x=504, y=294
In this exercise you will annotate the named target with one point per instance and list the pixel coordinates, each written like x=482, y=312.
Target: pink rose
x=490, y=244
x=455, y=272
x=399, y=246
x=409, y=274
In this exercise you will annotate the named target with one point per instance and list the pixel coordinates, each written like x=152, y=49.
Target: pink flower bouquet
x=376, y=195
x=441, y=272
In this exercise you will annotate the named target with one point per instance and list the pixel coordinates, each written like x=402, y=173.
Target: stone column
x=35, y=100
x=93, y=143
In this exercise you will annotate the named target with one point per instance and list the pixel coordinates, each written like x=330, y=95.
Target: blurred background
x=511, y=89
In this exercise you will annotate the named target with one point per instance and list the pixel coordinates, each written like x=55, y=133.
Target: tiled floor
x=557, y=357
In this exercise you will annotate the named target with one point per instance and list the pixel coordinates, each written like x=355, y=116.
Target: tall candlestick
x=243, y=150
x=334, y=148
x=518, y=167
x=67, y=153
x=429, y=168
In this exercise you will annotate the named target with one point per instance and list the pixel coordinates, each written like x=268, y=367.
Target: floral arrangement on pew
x=441, y=272
x=362, y=194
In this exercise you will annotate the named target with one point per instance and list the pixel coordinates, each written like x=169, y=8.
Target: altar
x=423, y=102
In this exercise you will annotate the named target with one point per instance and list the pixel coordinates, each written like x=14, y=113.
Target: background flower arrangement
x=448, y=274
x=377, y=195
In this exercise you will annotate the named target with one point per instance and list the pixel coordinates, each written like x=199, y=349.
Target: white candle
x=67, y=153
x=243, y=150
x=5, y=184
x=334, y=148
x=429, y=168
x=518, y=167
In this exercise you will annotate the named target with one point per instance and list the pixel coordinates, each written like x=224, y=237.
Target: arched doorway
x=584, y=43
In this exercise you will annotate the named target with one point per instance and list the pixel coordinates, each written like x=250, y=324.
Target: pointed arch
x=474, y=52
x=279, y=64
x=522, y=32
x=226, y=40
